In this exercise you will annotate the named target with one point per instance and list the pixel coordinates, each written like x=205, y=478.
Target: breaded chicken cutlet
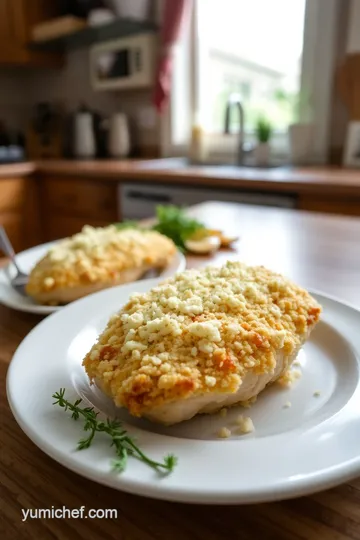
x=94, y=259
x=201, y=340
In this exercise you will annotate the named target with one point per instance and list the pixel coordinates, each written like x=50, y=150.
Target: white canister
x=119, y=136
x=301, y=143
x=85, y=145
x=262, y=154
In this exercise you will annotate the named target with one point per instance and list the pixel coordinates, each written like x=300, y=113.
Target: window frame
x=318, y=62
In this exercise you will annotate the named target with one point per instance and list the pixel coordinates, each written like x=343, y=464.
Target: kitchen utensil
x=119, y=137
x=19, y=281
x=44, y=134
x=84, y=133
x=101, y=136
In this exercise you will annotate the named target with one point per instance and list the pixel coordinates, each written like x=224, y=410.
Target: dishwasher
x=139, y=200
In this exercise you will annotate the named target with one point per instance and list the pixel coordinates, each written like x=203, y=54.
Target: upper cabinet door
x=17, y=17
x=8, y=44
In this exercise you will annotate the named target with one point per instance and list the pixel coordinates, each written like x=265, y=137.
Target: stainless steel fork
x=20, y=280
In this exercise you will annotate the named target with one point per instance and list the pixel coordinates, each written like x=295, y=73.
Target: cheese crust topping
x=198, y=332
x=99, y=255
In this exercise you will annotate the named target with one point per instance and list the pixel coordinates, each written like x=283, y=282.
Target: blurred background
x=111, y=107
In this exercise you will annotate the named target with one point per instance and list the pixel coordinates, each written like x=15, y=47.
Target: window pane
x=251, y=48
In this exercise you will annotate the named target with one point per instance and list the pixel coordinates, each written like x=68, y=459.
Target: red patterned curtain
x=175, y=17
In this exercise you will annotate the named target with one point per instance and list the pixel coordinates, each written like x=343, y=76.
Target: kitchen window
x=276, y=55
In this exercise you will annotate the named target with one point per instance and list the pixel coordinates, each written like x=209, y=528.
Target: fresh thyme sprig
x=124, y=445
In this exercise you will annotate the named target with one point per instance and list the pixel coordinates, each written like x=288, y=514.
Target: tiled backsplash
x=21, y=89
x=14, y=98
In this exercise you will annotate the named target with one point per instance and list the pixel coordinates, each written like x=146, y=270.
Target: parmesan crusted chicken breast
x=94, y=259
x=201, y=340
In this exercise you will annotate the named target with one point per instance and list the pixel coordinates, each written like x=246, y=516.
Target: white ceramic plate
x=27, y=260
x=294, y=451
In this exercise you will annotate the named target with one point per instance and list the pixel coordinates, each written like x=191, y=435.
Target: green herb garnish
x=174, y=223
x=124, y=445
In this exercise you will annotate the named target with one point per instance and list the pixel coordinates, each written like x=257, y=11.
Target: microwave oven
x=125, y=63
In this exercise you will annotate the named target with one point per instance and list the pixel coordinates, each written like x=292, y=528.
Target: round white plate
x=293, y=451
x=27, y=260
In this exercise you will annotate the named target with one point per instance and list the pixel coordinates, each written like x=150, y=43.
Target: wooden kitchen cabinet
x=70, y=203
x=347, y=206
x=37, y=209
x=60, y=226
x=12, y=194
x=13, y=226
x=81, y=198
x=17, y=17
x=19, y=211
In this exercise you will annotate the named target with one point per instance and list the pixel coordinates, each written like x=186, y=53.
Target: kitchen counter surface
x=177, y=170
x=317, y=251
x=17, y=169
x=326, y=180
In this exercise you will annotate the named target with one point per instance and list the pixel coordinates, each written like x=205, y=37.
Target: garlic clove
x=206, y=245
x=226, y=241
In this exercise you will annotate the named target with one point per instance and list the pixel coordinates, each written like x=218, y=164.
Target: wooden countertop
x=17, y=169
x=318, y=251
x=324, y=180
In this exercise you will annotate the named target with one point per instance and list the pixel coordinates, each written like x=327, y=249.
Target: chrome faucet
x=234, y=99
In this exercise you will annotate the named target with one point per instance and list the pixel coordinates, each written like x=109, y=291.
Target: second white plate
x=27, y=260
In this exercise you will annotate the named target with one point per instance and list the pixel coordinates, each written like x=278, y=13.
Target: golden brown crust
x=96, y=259
x=199, y=332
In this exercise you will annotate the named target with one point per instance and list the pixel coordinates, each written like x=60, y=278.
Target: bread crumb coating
x=198, y=332
x=98, y=255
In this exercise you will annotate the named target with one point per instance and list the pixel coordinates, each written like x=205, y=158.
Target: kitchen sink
x=254, y=166
x=230, y=166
